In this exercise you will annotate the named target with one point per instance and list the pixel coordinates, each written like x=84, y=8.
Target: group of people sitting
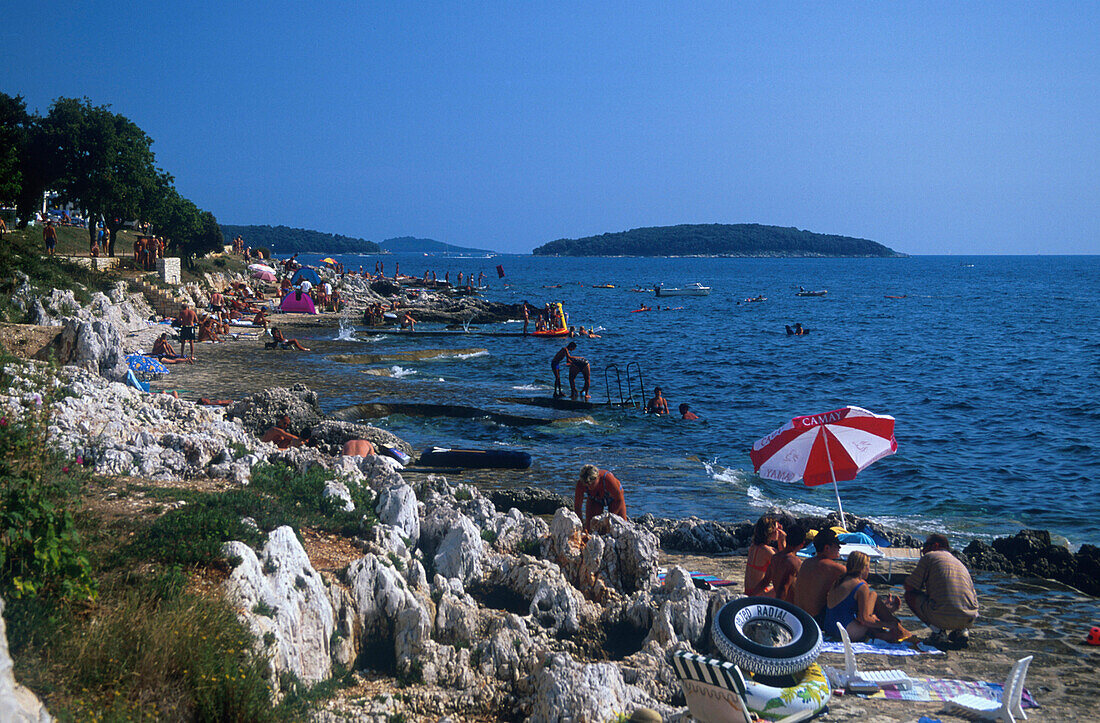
x=939, y=591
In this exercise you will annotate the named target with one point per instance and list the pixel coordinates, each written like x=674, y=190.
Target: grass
x=152, y=646
x=278, y=495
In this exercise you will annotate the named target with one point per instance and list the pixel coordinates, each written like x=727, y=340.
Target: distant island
x=716, y=239
x=408, y=244
x=286, y=240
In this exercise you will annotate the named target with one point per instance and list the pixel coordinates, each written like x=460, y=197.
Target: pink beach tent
x=298, y=303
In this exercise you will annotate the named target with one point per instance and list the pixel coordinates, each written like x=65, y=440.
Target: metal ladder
x=632, y=369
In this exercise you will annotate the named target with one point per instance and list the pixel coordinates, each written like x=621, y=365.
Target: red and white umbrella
x=830, y=447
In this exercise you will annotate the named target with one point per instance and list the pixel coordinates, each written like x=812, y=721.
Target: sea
x=988, y=363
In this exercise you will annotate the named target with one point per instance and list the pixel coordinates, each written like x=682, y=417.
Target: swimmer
x=579, y=365
x=657, y=405
x=686, y=413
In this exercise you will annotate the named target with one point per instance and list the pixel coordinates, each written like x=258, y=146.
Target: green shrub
x=40, y=549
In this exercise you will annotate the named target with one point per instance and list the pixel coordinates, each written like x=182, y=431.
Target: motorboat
x=695, y=289
x=819, y=292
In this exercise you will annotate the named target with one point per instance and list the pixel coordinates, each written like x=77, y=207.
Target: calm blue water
x=989, y=366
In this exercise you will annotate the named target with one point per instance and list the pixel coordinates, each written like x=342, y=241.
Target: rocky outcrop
x=532, y=500
x=259, y=412
x=1031, y=553
x=286, y=604
x=587, y=693
x=17, y=703
x=330, y=435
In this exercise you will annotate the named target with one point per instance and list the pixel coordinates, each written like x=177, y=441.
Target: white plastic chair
x=1007, y=709
x=855, y=679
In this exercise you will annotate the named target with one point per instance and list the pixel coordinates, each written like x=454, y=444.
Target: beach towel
x=881, y=647
x=927, y=690
x=712, y=580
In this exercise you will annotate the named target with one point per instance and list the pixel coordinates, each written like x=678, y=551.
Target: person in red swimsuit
x=768, y=538
x=599, y=490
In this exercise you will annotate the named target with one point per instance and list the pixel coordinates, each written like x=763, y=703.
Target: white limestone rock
x=397, y=507
x=17, y=703
x=281, y=592
x=460, y=553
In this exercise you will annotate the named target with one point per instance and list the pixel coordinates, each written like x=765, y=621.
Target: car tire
x=796, y=637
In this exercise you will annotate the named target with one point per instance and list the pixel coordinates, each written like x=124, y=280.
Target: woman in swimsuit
x=857, y=607
x=768, y=538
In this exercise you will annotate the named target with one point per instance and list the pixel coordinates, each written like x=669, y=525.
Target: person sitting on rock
x=783, y=569
x=940, y=592
x=284, y=342
x=854, y=606
x=280, y=437
x=162, y=350
x=358, y=448
x=207, y=330
x=768, y=538
x=599, y=490
x=817, y=576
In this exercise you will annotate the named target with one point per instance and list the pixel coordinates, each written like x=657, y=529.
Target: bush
x=278, y=495
x=40, y=549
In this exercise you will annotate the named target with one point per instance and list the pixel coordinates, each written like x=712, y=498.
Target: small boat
x=819, y=292
x=755, y=299
x=903, y=296
x=695, y=289
x=550, y=332
x=604, y=286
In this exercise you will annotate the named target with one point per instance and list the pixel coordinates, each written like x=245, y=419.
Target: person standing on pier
x=555, y=366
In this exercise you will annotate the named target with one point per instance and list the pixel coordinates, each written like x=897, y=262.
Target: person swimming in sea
x=798, y=330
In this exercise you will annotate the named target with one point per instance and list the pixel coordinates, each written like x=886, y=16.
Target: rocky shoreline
x=483, y=604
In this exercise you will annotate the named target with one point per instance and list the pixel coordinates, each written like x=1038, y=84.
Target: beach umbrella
x=820, y=448
x=306, y=273
x=146, y=364
x=329, y=260
x=263, y=275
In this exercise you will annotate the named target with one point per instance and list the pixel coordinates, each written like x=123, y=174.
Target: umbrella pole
x=839, y=507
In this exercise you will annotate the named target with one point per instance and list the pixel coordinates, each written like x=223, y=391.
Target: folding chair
x=1007, y=709
x=865, y=680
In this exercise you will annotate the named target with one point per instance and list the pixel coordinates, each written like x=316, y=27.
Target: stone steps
x=164, y=303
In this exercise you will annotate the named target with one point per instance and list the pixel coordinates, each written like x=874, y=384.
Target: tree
x=190, y=231
x=103, y=162
x=13, y=142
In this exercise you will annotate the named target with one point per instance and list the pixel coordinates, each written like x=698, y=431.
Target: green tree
x=14, y=121
x=104, y=163
x=190, y=231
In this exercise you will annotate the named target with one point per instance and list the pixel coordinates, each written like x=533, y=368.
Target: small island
x=716, y=239
x=287, y=240
x=409, y=244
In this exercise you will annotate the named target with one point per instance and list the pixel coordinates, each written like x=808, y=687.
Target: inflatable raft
x=475, y=458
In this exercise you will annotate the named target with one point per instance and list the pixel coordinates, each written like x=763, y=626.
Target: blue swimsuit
x=843, y=613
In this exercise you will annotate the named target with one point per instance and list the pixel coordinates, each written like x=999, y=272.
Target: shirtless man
x=657, y=405
x=279, y=435
x=597, y=489
x=784, y=566
x=217, y=303
x=818, y=575
x=526, y=316
x=284, y=342
x=686, y=413
x=261, y=318
x=208, y=331
x=358, y=448
x=189, y=327
x=408, y=322
x=49, y=237
x=162, y=350
x=555, y=366
x=579, y=365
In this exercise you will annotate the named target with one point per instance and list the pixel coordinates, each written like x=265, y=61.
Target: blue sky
x=929, y=127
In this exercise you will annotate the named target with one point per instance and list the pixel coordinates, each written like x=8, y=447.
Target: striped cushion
x=700, y=668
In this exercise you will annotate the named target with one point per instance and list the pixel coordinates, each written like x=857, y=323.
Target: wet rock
x=259, y=412
x=280, y=592
x=695, y=535
x=17, y=703
x=1031, y=553
x=532, y=500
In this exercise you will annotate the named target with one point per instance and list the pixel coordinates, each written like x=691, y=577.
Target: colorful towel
x=712, y=580
x=881, y=647
x=927, y=690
